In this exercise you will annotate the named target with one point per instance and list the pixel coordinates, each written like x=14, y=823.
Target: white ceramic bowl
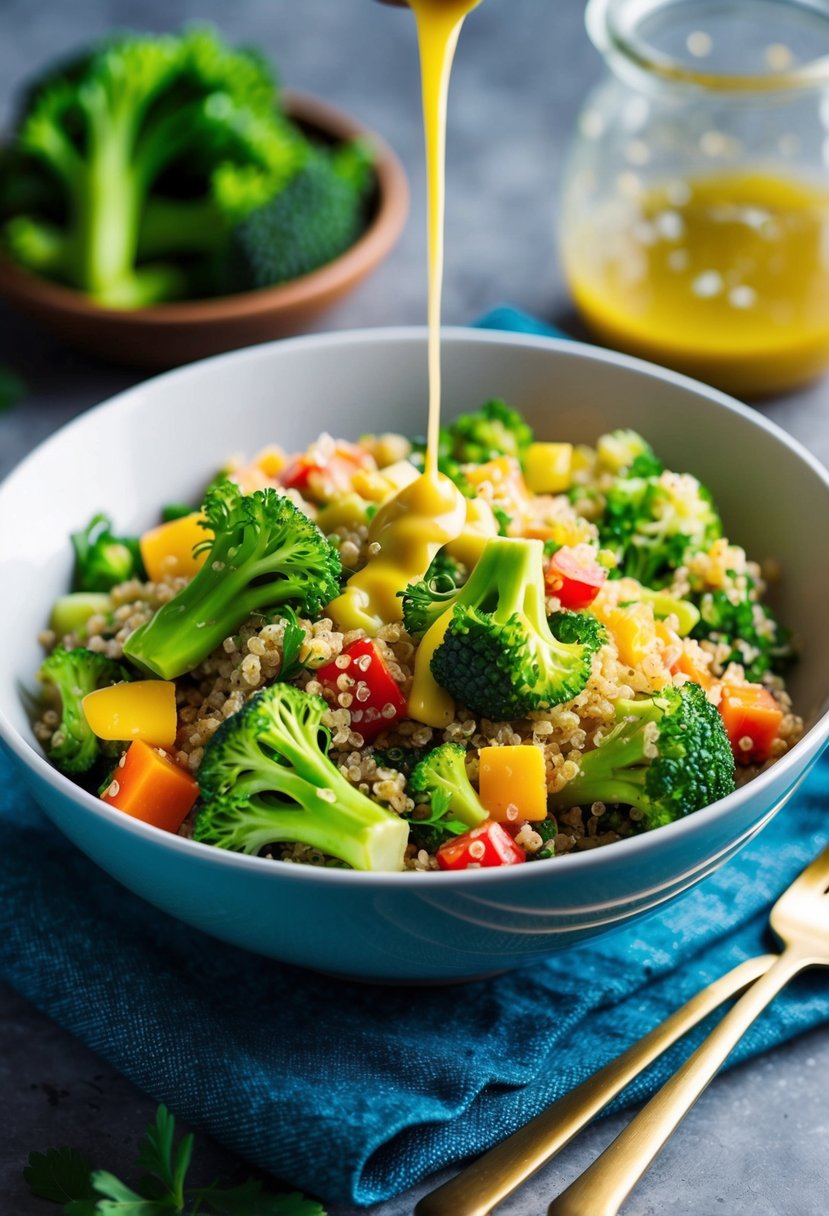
x=168, y=435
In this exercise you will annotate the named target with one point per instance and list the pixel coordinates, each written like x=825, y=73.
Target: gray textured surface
x=758, y=1144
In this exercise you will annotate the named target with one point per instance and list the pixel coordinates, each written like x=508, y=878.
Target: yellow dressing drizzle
x=409, y=528
x=438, y=26
x=428, y=702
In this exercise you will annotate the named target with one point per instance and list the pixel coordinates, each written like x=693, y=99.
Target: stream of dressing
x=412, y=526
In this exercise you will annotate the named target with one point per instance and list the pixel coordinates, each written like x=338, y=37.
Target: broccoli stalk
x=72, y=674
x=499, y=656
x=266, y=778
x=442, y=775
x=667, y=756
x=264, y=552
x=141, y=120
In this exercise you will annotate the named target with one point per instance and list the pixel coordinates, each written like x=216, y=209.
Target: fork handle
x=603, y=1187
x=495, y=1175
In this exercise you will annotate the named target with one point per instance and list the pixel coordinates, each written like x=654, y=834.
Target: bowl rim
x=378, y=238
x=787, y=770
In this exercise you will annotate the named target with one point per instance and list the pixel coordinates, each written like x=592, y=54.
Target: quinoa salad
x=337, y=658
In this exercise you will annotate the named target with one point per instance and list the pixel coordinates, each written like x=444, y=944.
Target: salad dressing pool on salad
x=430, y=512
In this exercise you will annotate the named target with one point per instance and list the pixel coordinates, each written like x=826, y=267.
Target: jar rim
x=614, y=25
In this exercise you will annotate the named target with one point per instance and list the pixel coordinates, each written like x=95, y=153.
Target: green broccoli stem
x=333, y=817
x=271, y=755
x=180, y=226
x=510, y=567
x=206, y=611
x=615, y=771
x=106, y=203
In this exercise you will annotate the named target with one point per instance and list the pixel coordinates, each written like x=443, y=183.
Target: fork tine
x=816, y=875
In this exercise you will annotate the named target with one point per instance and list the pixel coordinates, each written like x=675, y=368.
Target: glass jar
x=695, y=217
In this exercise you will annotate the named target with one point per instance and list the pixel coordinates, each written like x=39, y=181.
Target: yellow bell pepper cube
x=512, y=783
x=167, y=551
x=634, y=631
x=350, y=511
x=145, y=709
x=271, y=461
x=548, y=467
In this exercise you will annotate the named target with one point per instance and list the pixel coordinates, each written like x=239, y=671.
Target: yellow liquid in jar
x=723, y=277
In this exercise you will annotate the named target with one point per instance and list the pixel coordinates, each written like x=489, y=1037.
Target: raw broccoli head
x=72, y=674
x=653, y=523
x=442, y=775
x=103, y=560
x=263, y=552
x=625, y=453
x=499, y=656
x=151, y=146
x=266, y=778
x=667, y=756
x=750, y=628
x=485, y=434
x=428, y=599
x=318, y=216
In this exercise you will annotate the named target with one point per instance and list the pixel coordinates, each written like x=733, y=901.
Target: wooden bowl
x=169, y=334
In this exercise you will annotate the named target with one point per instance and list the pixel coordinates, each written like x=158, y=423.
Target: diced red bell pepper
x=575, y=580
x=377, y=701
x=750, y=713
x=321, y=478
x=490, y=844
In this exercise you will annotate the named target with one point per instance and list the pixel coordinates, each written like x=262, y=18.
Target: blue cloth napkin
x=355, y=1092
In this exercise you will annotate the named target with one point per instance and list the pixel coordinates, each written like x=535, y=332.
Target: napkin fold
x=355, y=1092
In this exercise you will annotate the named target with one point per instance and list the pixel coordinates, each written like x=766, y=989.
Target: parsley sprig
x=65, y=1176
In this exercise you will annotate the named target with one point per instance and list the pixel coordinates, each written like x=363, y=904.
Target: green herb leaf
x=117, y=1199
x=158, y=1156
x=60, y=1174
x=250, y=1200
x=12, y=388
x=293, y=639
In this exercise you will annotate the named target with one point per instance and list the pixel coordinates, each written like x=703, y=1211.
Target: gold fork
x=501, y=1170
x=800, y=918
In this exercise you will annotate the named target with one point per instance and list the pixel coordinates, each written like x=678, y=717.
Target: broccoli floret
x=103, y=560
x=442, y=775
x=627, y=454
x=264, y=552
x=577, y=627
x=266, y=778
x=757, y=639
x=653, y=523
x=319, y=215
x=492, y=431
x=152, y=146
x=498, y=656
x=426, y=600
x=667, y=756
x=72, y=674
x=548, y=830
x=403, y=759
